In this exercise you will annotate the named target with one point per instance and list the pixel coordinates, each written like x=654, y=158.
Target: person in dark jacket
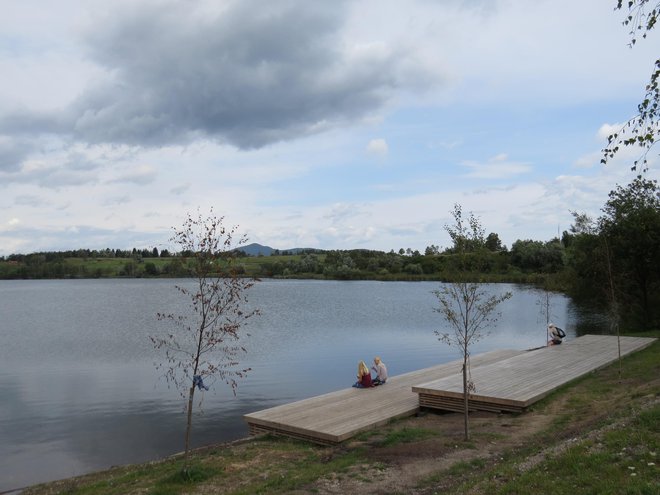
x=556, y=334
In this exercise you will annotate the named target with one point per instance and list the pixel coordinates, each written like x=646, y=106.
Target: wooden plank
x=336, y=416
x=519, y=381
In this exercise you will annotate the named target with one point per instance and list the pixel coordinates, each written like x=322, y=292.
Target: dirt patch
x=400, y=468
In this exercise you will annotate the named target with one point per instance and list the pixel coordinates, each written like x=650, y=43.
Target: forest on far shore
x=612, y=259
x=527, y=261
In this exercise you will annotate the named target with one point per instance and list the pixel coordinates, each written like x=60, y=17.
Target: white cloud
x=621, y=163
x=589, y=160
x=607, y=130
x=497, y=167
x=378, y=147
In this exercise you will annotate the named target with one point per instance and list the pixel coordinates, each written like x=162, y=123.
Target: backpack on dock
x=560, y=332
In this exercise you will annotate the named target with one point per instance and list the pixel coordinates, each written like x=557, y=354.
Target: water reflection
x=587, y=320
x=80, y=392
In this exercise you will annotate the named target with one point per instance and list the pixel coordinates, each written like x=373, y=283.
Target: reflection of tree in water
x=584, y=318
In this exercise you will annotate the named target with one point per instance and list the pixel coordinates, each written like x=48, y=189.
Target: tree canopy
x=619, y=253
x=643, y=129
x=631, y=227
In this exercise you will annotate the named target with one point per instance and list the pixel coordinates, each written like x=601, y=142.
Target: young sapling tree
x=468, y=308
x=204, y=341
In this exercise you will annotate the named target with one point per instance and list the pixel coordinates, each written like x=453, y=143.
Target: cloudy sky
x=328, y=124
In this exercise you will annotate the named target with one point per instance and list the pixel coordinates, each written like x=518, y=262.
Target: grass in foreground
x=615, y=462
x=621, y=460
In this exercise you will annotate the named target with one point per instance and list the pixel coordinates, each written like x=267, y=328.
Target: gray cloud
x=117, y=200
x=257, y=73
x=30, y=200
x=178, y=190
x=141, y=176
x=12, y=153
x=79, y=161
x=51, y=177
x=343, y=211
x=75, y=168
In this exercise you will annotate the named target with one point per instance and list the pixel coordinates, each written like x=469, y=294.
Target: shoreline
x=428, y=451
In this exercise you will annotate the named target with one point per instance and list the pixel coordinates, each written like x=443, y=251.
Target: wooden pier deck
x=336, y=416
x=515, y=383
x=506, y=380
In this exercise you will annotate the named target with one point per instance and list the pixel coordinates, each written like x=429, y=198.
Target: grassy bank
x=600, y=434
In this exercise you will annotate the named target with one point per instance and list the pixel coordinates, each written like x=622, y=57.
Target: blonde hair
x=362, y=369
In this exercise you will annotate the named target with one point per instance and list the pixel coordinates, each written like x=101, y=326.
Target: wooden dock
x=334, y=417
x=517, y=382
x=505, y=380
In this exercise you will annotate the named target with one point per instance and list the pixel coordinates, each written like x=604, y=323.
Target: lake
x=79, y=390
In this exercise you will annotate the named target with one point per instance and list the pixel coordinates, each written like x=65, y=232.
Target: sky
x=332, y=125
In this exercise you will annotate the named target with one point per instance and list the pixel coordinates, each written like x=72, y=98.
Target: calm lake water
x=79, y=391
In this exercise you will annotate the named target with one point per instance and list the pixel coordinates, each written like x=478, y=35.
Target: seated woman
x=363, y=376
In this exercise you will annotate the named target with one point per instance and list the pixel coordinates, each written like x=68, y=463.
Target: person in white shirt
x=381, y=371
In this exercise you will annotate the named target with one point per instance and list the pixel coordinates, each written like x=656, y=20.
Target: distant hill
x=255, y=249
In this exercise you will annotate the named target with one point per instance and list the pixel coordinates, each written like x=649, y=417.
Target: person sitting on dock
x=556, y=334
x=363, y=376
x=381, y=371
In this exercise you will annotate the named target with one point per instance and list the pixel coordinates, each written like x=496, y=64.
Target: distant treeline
x=612, y=261
x=527, y=261
x=50, y=256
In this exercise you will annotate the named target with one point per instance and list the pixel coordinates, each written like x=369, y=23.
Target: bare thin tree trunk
x=466, y=410
x=545, y=305
x=614, y=305
x=191, y=394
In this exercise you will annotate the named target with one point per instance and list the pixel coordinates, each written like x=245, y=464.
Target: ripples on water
x=80, y=392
